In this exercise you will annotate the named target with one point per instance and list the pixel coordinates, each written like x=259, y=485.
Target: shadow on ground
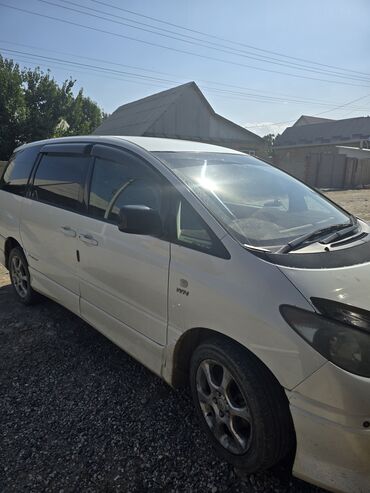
x=78, y=414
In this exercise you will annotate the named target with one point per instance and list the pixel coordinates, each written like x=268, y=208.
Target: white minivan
x=213, y=268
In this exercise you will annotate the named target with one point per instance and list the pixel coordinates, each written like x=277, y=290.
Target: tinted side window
x=137, y=192
x=107, y=179
x=18, y=170
x=191, y=231
x=190, y=228
x=60, y=180
x=126, y=182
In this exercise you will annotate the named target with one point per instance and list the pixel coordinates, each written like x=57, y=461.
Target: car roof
x=151, y=144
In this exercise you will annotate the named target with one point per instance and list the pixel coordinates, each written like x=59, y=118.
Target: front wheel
x=241, y=406
x=20, y=277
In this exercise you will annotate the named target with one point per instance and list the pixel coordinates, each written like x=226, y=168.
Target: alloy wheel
x=224, y=407
x=19, y=276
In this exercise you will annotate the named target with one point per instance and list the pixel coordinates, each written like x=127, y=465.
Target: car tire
x=20, y=277
x=241, y=406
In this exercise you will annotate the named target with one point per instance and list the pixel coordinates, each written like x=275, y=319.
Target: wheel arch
x=185, y=346
x=187, y=343
x=10, y=243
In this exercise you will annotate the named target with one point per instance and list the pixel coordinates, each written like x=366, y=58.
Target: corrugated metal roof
x=335, y=131
x=181, y=112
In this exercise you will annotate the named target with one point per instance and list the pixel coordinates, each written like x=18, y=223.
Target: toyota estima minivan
x=214, y=268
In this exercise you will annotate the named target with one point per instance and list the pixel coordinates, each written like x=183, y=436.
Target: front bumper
x=330, y=411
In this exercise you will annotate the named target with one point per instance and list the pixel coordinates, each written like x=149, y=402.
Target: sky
x=260, y=63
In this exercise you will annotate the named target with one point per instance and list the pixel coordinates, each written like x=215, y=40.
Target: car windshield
x=258, y=204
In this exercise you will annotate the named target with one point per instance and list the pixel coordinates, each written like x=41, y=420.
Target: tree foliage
x=34, y=106
x=270, y=140
x=12, y=106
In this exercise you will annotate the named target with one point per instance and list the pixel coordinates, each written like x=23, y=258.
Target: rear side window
x=60, y=180
x=18, y=170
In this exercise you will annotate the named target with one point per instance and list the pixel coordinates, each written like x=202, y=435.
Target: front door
x=123, y=276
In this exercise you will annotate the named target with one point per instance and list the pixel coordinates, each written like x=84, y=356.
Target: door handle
x=88, y=239
x=67, y=231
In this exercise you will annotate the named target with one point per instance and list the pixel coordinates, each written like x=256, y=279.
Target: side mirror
x=140, y=220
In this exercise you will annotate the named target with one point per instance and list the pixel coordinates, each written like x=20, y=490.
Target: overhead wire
x=157, y=80
x=283, y=96
x=197, y=42
x=161, y=21
x=315, y=115
x=215, y=46
x=172, y=48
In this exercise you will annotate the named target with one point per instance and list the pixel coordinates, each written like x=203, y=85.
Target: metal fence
x=347, y=169
x=336, y=171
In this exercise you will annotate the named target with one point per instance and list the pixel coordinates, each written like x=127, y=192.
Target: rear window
x=18, y=170
x=60, y=180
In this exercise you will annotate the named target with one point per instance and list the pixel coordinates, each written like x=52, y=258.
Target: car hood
x=349, y=285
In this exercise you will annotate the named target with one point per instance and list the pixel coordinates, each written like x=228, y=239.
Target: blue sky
x=246, y=89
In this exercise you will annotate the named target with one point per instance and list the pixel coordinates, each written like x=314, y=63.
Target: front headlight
x=344, y=345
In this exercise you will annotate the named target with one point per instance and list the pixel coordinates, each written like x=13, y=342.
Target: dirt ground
x=355, y=201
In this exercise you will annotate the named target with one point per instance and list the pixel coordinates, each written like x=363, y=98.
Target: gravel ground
x=78, y=414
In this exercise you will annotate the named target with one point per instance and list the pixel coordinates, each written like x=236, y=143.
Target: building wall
x=322, y=166
x=190, y=119
x=183, y=120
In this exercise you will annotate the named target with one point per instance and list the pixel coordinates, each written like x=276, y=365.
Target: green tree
x=12, y=107
x=46, y=103
x=83, y=115
x=33, y=106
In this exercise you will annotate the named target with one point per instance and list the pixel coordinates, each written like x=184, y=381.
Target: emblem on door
x=182, y=289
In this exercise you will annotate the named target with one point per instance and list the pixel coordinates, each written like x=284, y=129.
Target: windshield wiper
x=255, y=248
x=340, y=230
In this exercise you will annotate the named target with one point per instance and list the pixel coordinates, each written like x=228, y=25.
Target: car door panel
x=124, y=275
x=50, y=219
x=140, y=347
x=49, y=250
